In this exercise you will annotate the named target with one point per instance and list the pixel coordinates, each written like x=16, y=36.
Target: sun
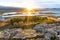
x=29, y=7
x=28, y=4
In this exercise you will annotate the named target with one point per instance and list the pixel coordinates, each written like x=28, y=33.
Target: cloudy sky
x=34, y=3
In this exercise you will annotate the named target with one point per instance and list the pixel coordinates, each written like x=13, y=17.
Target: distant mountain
x=11, y=8
x=52, y=9
x=16, y=8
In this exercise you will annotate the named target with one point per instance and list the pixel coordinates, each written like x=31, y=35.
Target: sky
x=32, y=3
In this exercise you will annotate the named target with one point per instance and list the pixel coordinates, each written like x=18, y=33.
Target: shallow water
x=12, y=14
x=57, y=13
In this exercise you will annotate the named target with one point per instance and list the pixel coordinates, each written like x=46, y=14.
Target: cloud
x=39, y=3
x=48, y=1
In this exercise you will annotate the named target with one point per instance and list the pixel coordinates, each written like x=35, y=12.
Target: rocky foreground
x=46, y=31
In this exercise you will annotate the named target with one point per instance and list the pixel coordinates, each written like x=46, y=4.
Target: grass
x=19, y=22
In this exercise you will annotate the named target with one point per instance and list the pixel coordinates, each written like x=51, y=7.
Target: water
x=57, y=13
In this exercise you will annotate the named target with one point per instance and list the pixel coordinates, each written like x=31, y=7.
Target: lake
x=11, y=14
x=57, y=13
